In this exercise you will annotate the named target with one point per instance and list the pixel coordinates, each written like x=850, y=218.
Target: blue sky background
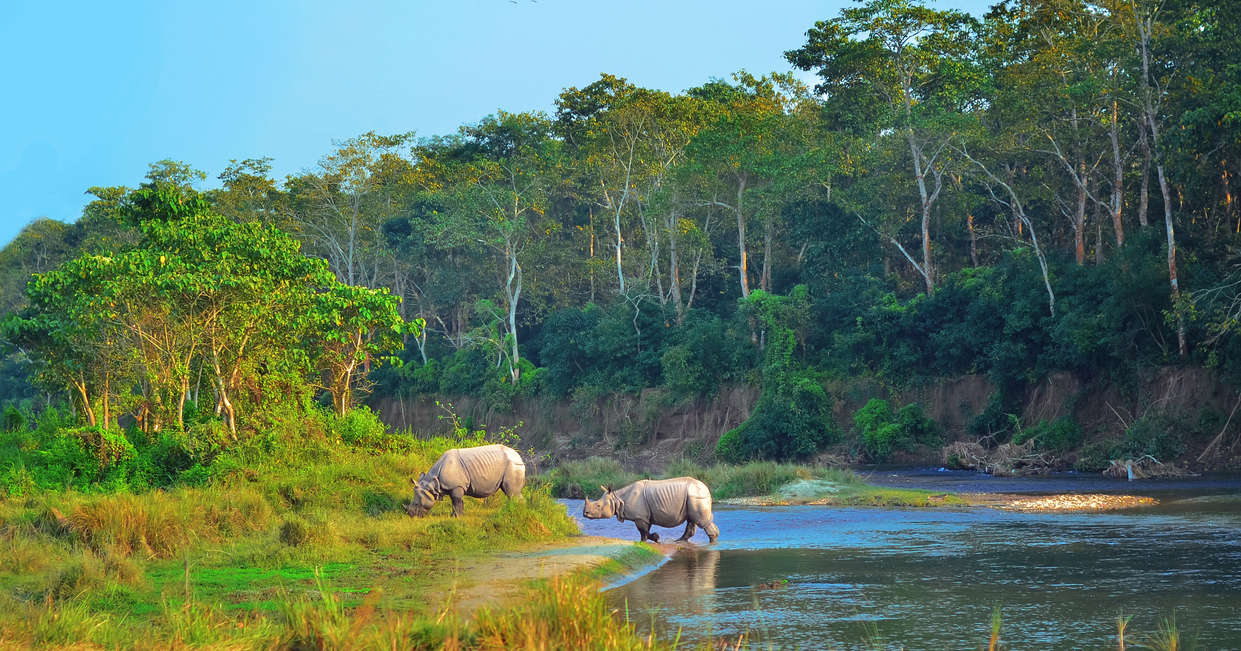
x=95, y=91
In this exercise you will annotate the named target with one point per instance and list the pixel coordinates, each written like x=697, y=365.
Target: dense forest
x=1044, y=189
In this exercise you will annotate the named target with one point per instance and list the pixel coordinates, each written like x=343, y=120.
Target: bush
x=359, y=426
x=884, y=431
x=1153, y=435
x=1060, y=435
x=792, y=419
x=708, y=352
x=13, y=420
x=1097, y=456
x=294, y=532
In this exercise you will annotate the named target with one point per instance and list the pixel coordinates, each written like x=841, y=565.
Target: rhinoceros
x=477, y=472
x=665, y=502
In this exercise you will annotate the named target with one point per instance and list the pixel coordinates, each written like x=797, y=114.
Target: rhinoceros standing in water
x=477, y=472
x=665, y=502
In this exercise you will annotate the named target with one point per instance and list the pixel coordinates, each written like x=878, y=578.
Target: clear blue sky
x=95, y=91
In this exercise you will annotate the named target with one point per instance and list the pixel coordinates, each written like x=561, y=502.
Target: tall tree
x=498, y=188
x=340, y=208
x=913, y=67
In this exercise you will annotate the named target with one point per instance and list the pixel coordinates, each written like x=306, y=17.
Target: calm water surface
x=930, y=578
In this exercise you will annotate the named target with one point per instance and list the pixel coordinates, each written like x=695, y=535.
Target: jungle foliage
x=1044, y=188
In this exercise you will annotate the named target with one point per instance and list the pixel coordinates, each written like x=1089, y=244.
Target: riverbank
x=306, y=549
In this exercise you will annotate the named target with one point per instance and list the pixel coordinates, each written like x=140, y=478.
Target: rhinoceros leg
x=689, y=531
x=713, y=531
x=644, y=530
x=458, y=501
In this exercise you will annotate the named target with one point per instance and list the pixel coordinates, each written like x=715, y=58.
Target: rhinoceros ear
x=605, y=489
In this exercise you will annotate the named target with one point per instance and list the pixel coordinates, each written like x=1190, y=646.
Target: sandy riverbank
x=498, y=579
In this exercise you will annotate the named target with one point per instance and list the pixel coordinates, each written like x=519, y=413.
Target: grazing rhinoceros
x=665, y=502
x=477, y=472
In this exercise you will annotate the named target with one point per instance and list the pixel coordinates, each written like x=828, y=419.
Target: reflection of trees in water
x=686, y=585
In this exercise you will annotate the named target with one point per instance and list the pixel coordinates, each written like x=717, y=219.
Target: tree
x=739, y=155
x=356, y=327
x=340, y=209
x=912, y=68
x=1154, y=78
x=250, y=194
x=236, y=301
x=497, y=182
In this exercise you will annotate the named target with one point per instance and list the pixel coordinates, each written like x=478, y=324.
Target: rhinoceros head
x=604, y=507
x=426, y=491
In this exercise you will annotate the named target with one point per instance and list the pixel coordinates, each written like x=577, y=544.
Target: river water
x=814, y=577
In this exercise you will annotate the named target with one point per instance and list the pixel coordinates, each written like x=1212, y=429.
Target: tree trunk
x=1079, y=219
x=87, y=410
x=1098, y=238
x=969, y=221
x=185, y=392
x=512, y=290
x=674, y=269
x=591, y=265
x=742, y=265
x=1145, y=25
x=1182, y=345
x=1144, y=191
x=768, y=236
x=225, y=404
x=1118, y=180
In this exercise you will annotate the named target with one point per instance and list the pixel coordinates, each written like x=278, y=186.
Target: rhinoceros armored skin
x=665, y=502
x=477, y=472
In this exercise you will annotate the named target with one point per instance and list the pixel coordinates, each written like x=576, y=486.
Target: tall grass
x=576, y=479
x=757, y=478
x=181, y=565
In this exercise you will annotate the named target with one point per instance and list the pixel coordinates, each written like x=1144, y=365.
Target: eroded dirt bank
x=647, y=430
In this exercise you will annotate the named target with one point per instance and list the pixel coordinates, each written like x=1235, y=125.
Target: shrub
x=359, y=426
x=708, y=351
x=294, y=532
x=1060, y=435
x=792, y=418
x=884, y=431
x=13, y=420
x=1096, y=456
x=1153, y=435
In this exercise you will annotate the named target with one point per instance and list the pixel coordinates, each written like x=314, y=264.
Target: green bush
x=793, y=416
x=1153, y=435
x=884, y=431
x=360, y=426
x=1096, y=456
x=294, y=531
x=1060, y=435
x=13, y=420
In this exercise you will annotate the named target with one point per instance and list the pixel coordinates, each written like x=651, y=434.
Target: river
x=814, y=577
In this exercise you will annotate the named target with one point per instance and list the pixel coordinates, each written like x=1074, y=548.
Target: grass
x=234, y=561
x=761, y=481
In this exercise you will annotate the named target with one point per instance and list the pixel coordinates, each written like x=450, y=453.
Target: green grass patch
x=241, y=561
x=629, y=560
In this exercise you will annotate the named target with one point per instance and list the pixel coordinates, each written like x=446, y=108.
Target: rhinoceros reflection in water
x=665, y=502
x=687, y=584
